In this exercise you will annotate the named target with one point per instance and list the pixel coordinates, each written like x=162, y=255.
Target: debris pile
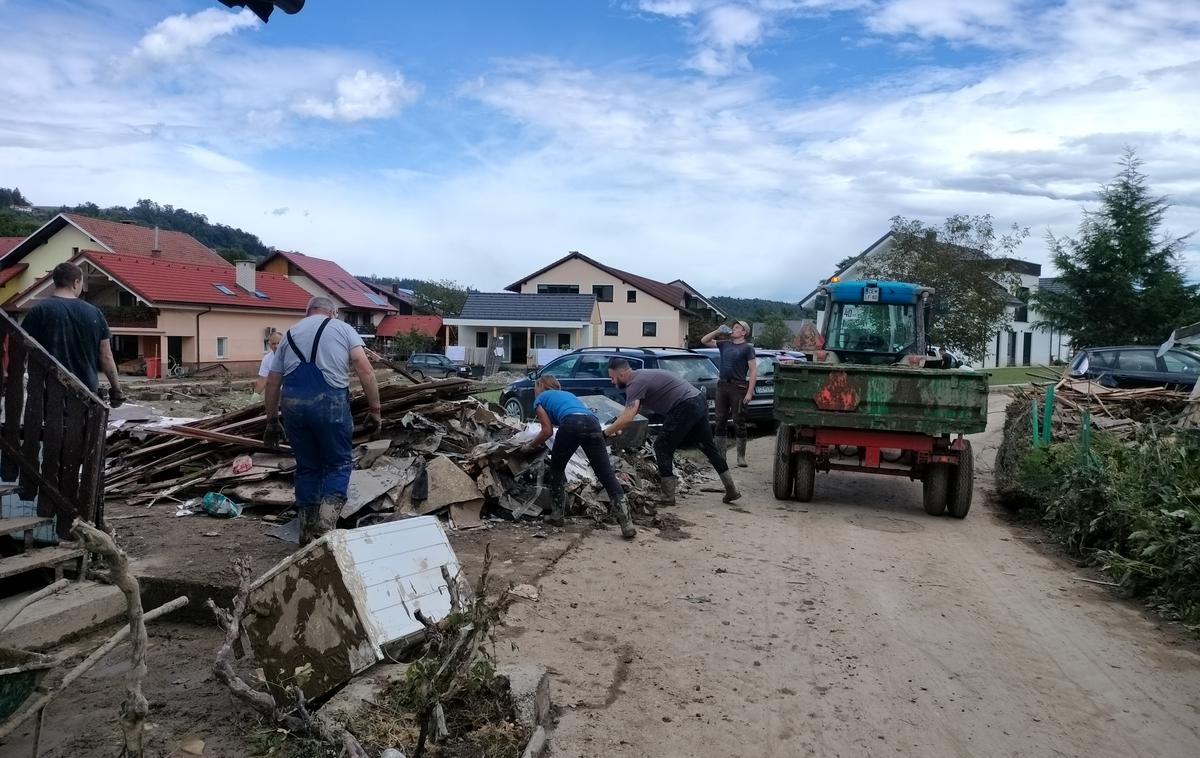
x=1116, y=411
x=439, y=453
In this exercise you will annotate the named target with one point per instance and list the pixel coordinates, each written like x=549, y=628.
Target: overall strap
x=317, y=340
x=295, y=349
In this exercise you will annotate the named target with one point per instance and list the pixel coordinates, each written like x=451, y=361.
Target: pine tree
x=1123, y=280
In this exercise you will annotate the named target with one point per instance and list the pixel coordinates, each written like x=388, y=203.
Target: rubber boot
x=558, y=499
x=722, y=444
x=330, y=512
x=308, y=524
x=620, y=510
x=741, y=452
x=668, y=485
x=731, y=492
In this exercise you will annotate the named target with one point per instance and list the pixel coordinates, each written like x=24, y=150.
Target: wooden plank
x=45, y=557
x=73, y=458
x=228, y=439
x=31, y=442
x=21, y=524
x=14, y=399
x=91, y=478
x=52, y=444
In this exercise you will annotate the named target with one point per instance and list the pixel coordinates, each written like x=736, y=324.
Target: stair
x=24, y=524
x=46, y=557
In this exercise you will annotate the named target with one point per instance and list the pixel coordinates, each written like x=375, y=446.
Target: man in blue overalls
x=312, y=367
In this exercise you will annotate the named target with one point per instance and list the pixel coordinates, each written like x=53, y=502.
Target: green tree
x=442, y=297
x=1124, y=281
x=14, y=224
x=412, y=341
x=775, y=334
x=966, y=262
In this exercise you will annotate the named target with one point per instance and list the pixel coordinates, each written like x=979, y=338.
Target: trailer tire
x=962, y=484
x=935, y=486
x=806, y=475
x=785, y=463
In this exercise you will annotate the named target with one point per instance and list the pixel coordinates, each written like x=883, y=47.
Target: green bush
x=1131, y=506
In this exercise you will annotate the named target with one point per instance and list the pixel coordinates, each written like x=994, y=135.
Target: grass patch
x=1019, y=374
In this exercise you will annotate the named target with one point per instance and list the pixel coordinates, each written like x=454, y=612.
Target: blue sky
x=744, y=145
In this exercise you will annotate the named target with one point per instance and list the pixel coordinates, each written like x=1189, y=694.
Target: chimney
x=156, y=251
x=246, y=275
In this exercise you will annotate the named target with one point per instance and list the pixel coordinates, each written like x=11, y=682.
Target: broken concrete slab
x=448, y=484
x=363, y=690
x=372, y=451
x=73, y=610
x=529, y=687
x=466, y=515
x=326, y=612
x=271, y=492
x=367, y=486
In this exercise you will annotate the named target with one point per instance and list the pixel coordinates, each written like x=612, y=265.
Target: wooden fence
x=51, y=431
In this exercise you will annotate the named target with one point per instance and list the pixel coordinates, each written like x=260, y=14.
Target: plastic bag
x=216, y=504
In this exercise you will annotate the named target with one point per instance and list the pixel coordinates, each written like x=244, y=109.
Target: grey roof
x=508, y=306
x=1053, y=285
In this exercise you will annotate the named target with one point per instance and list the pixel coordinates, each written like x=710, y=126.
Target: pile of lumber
x=1114, y=410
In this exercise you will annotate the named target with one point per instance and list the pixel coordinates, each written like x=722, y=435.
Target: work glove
x=272, y=433
x=115, y=398
x=372, y=424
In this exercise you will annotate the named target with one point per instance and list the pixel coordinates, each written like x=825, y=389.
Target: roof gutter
x=207, y=309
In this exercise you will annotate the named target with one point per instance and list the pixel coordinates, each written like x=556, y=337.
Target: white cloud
x=361, y=96
x=176, y=36
x=980, y=21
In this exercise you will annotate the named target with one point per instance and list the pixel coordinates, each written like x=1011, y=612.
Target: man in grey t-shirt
x=735, y=390
x=685, y=410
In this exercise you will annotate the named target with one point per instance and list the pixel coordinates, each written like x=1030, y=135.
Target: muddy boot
x=308, y=524
x=722, y=444
x=731, y=492
x=558, y=499
x=331, y=511
x=668, y=485
x=620, y=511
x=741, y=452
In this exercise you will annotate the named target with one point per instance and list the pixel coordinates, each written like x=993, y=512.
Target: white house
x=1023, y=343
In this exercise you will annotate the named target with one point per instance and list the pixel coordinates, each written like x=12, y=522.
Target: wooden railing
x=51, y=432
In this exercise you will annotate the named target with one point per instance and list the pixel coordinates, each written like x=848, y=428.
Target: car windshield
x=765, y=366
x=693, y=368
x=871, y=327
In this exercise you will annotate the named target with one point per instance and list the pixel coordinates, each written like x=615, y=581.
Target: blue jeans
x=320, y=430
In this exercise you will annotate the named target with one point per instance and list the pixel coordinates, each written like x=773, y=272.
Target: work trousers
x=686, y=425
x=320, y=429
x=731, y=397
x=582, y=430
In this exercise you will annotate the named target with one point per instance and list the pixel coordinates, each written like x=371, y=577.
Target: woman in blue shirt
x=577, y=427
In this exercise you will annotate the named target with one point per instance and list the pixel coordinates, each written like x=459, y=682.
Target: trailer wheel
x=936, y=484
x=785, y=463
x=962, y=484
x=806, y=475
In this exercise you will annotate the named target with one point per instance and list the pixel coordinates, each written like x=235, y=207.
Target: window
x=222, y=347
x=1137, y=360
x=1181, y=363
x=481, y=339
x=224, y=290
x=875, y=327
x=561, y=369
x=610, y=328
x=1021, y=312
x=125, y=299
x=558, y=289
x=631, y=296
x=1105, y=359
x=539, y=342
x=693, y=368
x=603, y=292
x=377, y=299
x=261, y=295
x=649, y=328
x=564, y=341
x=765, y=366
x=592, y=367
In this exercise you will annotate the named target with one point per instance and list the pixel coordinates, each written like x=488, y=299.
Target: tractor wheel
x=962, y=485
x=936, y=484
x=785, y=463
x=806, y=474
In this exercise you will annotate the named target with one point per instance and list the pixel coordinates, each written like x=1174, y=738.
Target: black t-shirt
x=735, y=360
x=70, y=330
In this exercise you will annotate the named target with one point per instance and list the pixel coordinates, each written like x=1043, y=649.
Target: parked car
x=760, y=409
x=957, y=359
x=1137, y=366
x=434, y=366
x=585, y=372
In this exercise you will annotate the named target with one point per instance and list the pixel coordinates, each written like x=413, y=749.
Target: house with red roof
x=359, y=305
x=190, y=308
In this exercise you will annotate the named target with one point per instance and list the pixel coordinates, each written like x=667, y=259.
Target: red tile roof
x=163, y=281
x=8, y=273
x=393, y=325
x=8, y=243
x=669, y=294
x=133, y=239
x=332, y=277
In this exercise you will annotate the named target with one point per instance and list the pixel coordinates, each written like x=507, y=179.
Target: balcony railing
x=130, y=316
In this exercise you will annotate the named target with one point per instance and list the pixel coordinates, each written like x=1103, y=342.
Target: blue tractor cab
x=875, y=321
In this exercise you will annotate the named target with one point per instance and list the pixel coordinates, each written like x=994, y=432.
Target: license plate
x=870, y=294
x=712, y=404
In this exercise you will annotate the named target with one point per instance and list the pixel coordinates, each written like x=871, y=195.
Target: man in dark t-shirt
x=75, y=332
x=735, y=390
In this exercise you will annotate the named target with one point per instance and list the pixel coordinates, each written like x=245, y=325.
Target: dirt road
x=853, y=625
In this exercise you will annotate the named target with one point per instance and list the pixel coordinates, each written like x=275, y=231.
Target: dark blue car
x=585, y=372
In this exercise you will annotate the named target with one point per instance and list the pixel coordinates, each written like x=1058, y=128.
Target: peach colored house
x=184, y=314
x=359, y=304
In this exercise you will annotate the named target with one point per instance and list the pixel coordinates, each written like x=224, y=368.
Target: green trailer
x=871, y=401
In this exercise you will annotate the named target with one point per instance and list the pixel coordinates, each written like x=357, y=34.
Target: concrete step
x=68, y=613
x=21, y=524
x=46, y=557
